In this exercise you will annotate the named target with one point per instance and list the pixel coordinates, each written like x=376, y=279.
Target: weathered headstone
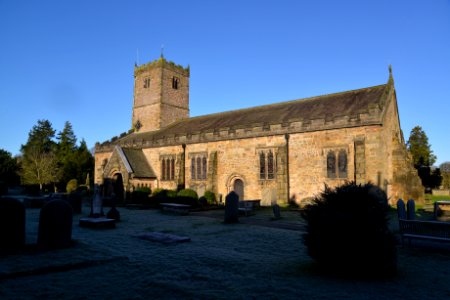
x=401, y=211
x=231, y=208
x=276, y=211
x=55, y=225
x=12, y=225
x=410, y=209
x=113, y=213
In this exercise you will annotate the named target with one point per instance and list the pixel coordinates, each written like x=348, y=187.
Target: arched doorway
x=238, y=188
x=118, y=187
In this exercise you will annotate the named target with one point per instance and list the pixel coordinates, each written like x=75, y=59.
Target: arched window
x=342, y=164
x=337, y=164
x=270, y=166
x=267, y=165
x=199, y=168
x=163, y=169
x=172, y=169
x=167, y=168
x=193, y=168
x=331, y=165
x=146, y=83
x=175, y=82
x=204, y=167
x=262, y=165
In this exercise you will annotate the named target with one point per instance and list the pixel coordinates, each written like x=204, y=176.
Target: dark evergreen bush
x=185, y=196
x=140, y=195
x=172, y=194
x=210, y=197
x=347, y=231
x=203, y=201
x=188, y=193
x=159, y=195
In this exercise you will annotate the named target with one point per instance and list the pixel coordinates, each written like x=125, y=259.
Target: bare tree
x=40, y=168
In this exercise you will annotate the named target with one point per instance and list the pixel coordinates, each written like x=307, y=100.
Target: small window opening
x=175, y=82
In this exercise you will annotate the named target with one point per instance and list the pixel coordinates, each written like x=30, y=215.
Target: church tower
x=161, y=95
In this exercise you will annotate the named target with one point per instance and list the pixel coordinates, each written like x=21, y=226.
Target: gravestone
x=74, y=200
x=12, y=225
x=55, y=225
x=231, y=208
x=437, y=211
x=410, y=209
x=97, y=203
x=113, y=213
x=276, y=211
x=401, y=211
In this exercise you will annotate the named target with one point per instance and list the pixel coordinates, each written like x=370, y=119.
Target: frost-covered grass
x=234, y=261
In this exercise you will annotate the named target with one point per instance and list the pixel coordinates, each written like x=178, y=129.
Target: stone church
x=282, y=152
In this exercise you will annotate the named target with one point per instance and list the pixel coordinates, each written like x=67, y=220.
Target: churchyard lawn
x=257, y=258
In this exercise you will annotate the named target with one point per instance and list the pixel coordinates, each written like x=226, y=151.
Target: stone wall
x=101, y=159
x=307, y=163
x=154, y=156
x=401, y=180
x=238, y=159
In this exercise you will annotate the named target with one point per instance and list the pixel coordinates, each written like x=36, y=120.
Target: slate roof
x=328, y=107
x=138, y=162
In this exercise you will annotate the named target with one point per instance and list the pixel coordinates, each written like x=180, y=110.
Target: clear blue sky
x=73, y=60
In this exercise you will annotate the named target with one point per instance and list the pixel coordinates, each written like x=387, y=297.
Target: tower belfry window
x=175, y=82
x=146, y=83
